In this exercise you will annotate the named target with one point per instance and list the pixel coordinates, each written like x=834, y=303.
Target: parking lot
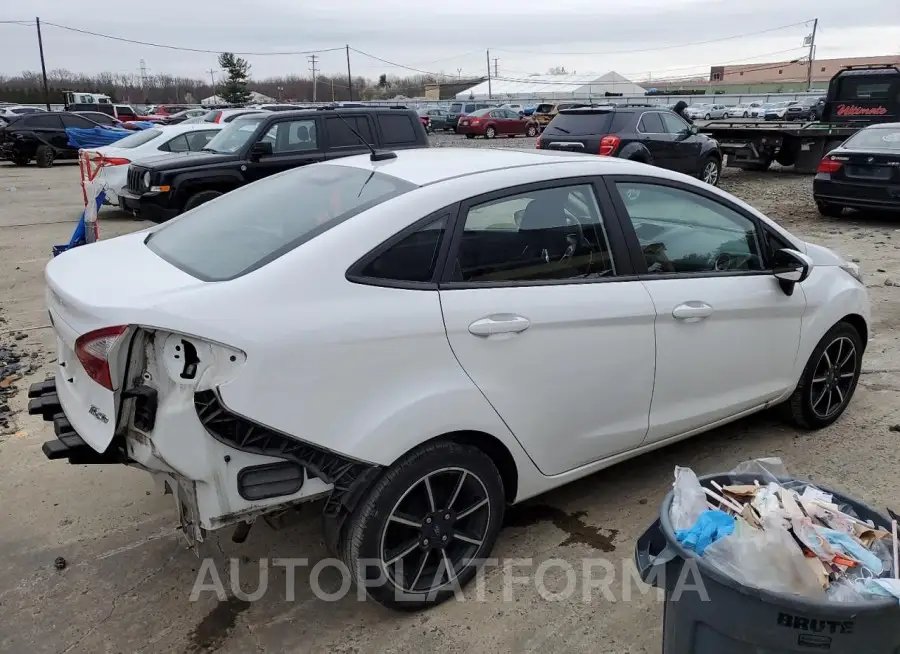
x=126, y=579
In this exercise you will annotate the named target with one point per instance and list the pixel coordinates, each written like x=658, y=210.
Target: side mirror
x=791, y=267
x=261, y=148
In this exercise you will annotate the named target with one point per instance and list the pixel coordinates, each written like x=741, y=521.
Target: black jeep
x=259, y=145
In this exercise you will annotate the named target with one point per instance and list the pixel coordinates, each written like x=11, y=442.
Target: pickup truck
x=857, y=96
x=261, y=144
x=123, y=112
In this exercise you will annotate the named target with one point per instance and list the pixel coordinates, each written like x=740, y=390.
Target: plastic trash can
x=738, y=619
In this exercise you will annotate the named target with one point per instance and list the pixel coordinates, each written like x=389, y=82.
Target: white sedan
x=426, y=338
x=138, y=147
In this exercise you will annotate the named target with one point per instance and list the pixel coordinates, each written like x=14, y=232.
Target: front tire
x=829, y=379
x=200, y=198
x=425, y=525
x=745, y=115
x=531, y=131
x=706, y=117
x=490, y=133
x=829, y=210
x=711, y=170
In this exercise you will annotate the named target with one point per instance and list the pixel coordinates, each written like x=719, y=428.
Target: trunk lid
x=96, y=286
x=870, y=166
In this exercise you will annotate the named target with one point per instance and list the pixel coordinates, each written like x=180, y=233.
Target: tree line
x=27, y=87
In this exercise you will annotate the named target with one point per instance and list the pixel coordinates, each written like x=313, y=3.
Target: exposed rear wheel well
x=497, y=452
x=859, y=324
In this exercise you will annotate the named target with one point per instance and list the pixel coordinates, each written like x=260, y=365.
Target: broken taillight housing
x=114, y=161
x=92, y=350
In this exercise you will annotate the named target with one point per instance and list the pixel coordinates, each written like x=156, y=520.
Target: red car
x=493, y=122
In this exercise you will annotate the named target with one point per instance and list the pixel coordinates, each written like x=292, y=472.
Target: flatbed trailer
x=755, y=145
x=858, y=96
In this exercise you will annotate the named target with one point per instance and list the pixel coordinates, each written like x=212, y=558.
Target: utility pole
x=812, y=54
x=332, y=90
x=212, y=79
x=496, y=74
x=143, y=75
x=349, y=78
x=312, y=61
x=458, y=74
x=489, y=74
x=37, y=21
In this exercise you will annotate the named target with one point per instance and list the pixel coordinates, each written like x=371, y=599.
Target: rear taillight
x=114, y=161
x=537, y=143
x=92, y=350
x=829, y=165
x=474, y=121
x=608, y=145
x=218, y=118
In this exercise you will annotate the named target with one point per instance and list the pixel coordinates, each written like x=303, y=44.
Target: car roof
x=422, y=166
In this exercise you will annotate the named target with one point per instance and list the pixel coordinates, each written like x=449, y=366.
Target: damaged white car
x=426, y=337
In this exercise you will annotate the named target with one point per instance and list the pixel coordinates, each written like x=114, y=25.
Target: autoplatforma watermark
x=554, y=580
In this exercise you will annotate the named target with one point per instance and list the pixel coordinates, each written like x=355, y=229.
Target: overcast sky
x=526, y=36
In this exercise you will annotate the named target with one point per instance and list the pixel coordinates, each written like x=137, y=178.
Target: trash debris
x=60, y=563
x=784, y=535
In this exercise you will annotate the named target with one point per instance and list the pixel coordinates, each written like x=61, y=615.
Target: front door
x=543, y=316
x=686, y=146
x=726, y=333
x=294, y=143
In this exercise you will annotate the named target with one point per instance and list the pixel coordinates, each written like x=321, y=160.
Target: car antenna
x=376, y=155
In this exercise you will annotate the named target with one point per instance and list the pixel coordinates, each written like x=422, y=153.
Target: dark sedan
x=438, y=119
x=863, y=173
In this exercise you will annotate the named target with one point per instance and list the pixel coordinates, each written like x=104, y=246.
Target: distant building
x=582, y=86
x=448, y=90
x=790, y=72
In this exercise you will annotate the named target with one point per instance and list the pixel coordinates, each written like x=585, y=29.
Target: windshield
x=235, y=136
x=136, y=139
x=255, y=224
x=875, y=138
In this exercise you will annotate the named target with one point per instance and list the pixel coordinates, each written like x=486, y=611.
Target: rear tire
x=470, y=136
x=20, y=160
x=829, y=210
x=828, y=380
x=428, y=489
x=200, y=198
x=44, y=156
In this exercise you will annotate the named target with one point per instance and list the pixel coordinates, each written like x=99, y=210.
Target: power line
x=663, y=47
x=183, y=49
x=393, y=63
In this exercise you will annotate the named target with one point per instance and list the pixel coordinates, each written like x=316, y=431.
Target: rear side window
x=211, y=116
x=177, y=144
x=341, y=136
x=580, y=124
x=413, y=259
x=44, y=121
x=397, y=129
x=456, y=107
x=138, y=138
x=257, y=223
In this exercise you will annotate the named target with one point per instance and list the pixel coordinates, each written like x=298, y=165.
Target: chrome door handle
x=499, y=324
x=692, y=311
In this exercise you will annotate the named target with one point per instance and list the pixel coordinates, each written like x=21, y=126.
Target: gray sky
x=582, y=35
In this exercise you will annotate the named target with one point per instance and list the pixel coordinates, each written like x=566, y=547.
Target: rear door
x=341, y=141
x=544, y=316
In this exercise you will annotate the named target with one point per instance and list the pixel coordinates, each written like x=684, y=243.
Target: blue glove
x=710, y=527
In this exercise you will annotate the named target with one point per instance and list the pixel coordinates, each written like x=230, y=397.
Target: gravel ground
x=127, y=581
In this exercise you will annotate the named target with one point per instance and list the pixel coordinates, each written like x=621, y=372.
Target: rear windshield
x=876, y=138
x=138, y=138
x=253, y=225
x=579, y=124
x=543, y=108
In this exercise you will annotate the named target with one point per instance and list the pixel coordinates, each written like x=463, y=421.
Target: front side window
x=651, y=123
x=673, y=124
x=43, y=121
x=235, y=135
x=684, y=232
x=413, y=259
x=260, y=222
x=292, y=136
x=546, y=234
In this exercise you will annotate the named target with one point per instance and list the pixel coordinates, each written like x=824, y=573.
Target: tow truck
x=858, y=96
